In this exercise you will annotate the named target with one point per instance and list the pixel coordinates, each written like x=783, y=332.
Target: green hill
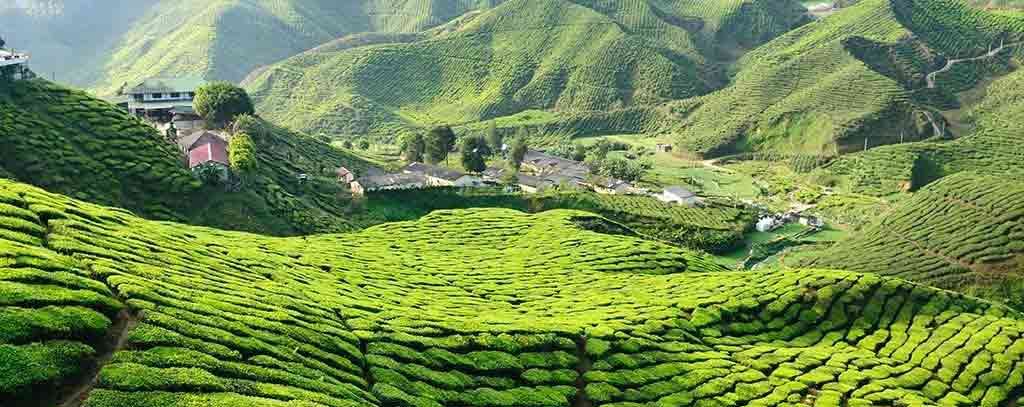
x=963, y=232
x=592, y=66
x=69, y=142
x=221, y=39
x=467, y=308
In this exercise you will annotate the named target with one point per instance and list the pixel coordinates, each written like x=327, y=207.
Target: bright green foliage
x=244, y=161
x=68, y=142
x=221, y=102
x=600, y=65
x=963, y=232
x=414, y=147
x=474, y=308
x=517, y=151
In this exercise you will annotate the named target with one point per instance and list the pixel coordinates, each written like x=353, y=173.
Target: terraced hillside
x=462, y=308
x=69, y=142
x=596, y=66
x=963, y=232
x=994, y=146
x=874, y=73
x=221, y=39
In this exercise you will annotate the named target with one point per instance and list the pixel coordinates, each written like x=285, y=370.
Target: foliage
x=414, y=147
x=244, y=161
x=494, y=140
x=439, y=142
x=517, y=152
x=619, y=168
x=220, y=102
x=459, y=308
x=473, y=150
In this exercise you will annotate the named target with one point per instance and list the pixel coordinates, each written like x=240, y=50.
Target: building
x=531, y=184
x=679, y=195
x=663, y=148
x=209, y=150
x=444, y=177
x=387, y=182
x=543, y=164
x=185, y=119
x=189, y=141
x=14, y=65
x=612, y=187
x=157, y=98
x=769, y=223
x=344, y=175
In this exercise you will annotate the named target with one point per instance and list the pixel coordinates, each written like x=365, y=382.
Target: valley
x=498, y=203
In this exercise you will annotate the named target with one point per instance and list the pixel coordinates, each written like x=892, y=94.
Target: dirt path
x=76, y=393
x=949, y=64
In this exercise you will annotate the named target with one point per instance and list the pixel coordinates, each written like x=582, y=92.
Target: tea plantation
x=462, y=308
x=963, y=232
x=600, y=65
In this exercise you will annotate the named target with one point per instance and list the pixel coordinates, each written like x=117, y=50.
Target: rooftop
x=680, y=192
x=433, y=171
x=379, y=181
x=161, y=85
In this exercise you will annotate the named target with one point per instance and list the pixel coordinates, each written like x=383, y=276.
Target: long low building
x=387, y=182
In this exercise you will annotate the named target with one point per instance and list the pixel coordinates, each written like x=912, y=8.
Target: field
x=463, y=308
x=600, y=66
x=69, y=142
x=963, y=232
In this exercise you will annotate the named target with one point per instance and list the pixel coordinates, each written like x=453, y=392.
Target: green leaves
x=221, y=102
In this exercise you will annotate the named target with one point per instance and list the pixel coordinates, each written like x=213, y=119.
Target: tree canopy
x=220, y=102
x=243, y=155
x=414, y=146
x=439, y=142
x=517, y=152
x=473, y=149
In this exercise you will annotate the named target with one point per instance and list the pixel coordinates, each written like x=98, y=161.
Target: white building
x=14, y=64
x=679, y=195
x=443, y=177
x=160, y=98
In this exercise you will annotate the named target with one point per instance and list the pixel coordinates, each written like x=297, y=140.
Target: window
x=158, y=96
x=138, y=97
x=191, y=95
x=175, y=95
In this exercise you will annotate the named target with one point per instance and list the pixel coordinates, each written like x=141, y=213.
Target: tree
x=347, y=144
x=439, y=143
x=579, y=152
x=472, y=149
x=244, y=162
x=494, y=140
x=517, y=152
x=2, y=42
x=414, y=147
x=364, y=145
x=220, y=102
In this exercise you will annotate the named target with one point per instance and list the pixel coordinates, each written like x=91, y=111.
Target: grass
x=473, y=308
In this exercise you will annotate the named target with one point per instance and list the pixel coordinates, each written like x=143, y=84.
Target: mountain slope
x=964, y=232
x=69, y=142
x=874, y=73
x=573, y=58
x=467, y=308
x=221, y=39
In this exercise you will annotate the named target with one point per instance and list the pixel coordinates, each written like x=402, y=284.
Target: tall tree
x=220, y=102
x=414, y=146
x=243, y=156
x=439, y=143
x=517, y=152
x=472, y=150
x=494, y=140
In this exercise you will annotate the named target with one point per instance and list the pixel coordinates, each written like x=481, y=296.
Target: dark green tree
x=472, y=150
x=220, y=102
x=517, y=152
x=364, y=145
x=439, y=143
x=493, y=138
x=414, y=147
x=579, y=152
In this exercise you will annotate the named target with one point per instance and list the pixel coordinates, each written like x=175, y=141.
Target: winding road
x=949, y=64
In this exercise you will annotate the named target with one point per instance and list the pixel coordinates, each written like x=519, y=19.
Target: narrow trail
x=75, y=394
x=952, y=62
x=583, y=365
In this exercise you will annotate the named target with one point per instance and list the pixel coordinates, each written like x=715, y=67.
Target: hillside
x=69, y=142
x=587, y=67
x=879, y=72
x=468, y=308
x=964, y=232
x=126, y=41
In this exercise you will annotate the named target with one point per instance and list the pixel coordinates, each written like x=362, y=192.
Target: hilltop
x=127, y=41
x=580, y=67
x=964, y=232
x=471, y=308
x=72, y=143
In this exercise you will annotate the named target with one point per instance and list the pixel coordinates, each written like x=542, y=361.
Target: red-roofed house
x=209, y=150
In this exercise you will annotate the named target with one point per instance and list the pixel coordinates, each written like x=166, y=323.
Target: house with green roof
x=158, y=98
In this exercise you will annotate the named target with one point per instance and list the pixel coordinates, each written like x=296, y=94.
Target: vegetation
x=963, y=232
x=599, y=66
x=219, y=103
x=439, y=143
x=473, y=151
x=244, y=162
x=458, y=308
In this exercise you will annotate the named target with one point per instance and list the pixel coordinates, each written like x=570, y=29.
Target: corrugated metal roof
x=179, y=84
